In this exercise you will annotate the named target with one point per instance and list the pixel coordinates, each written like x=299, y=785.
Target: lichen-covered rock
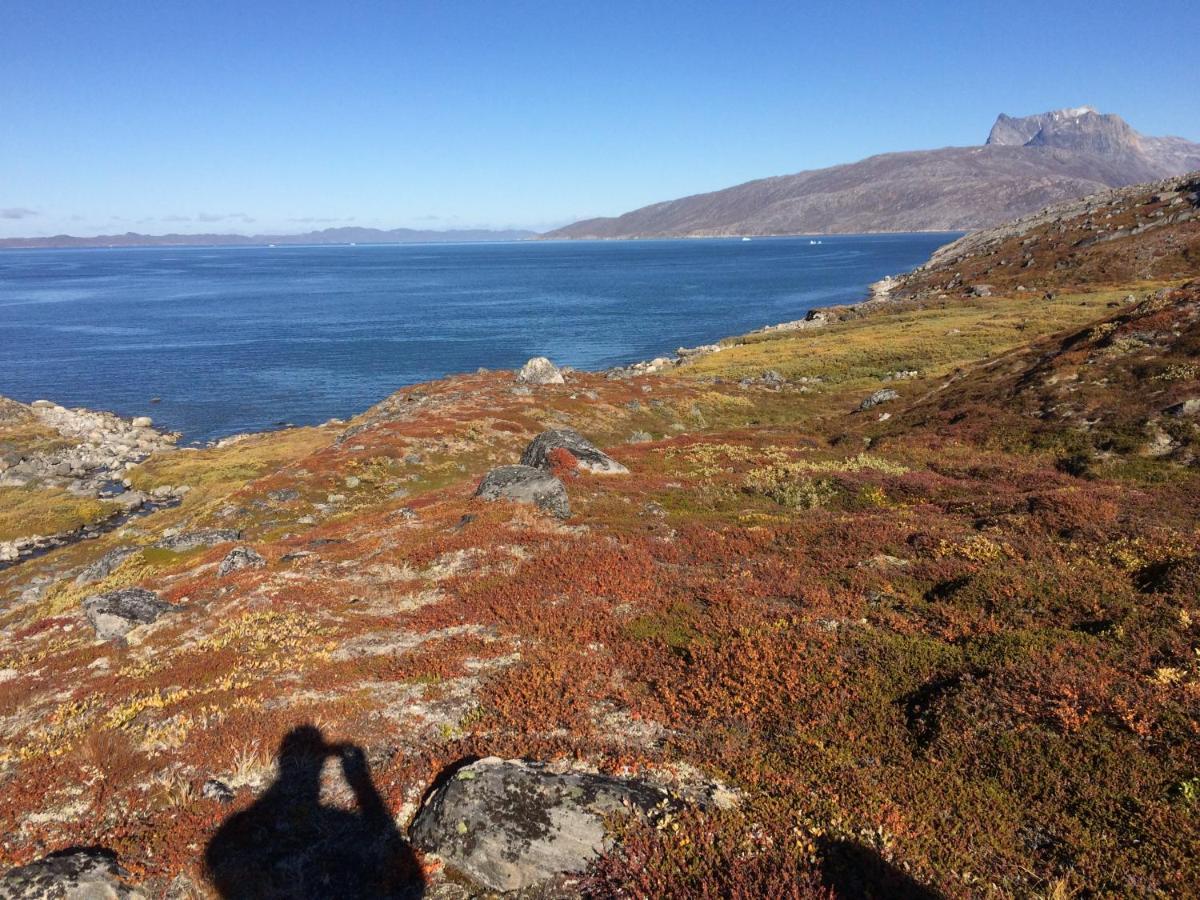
x=540, y=370
x=240, y=558
x=116, y=613
x=511, y=824
x=84, y=873
x=204, y=537
x=883, y=395
x=525, y=484
x=587, y=455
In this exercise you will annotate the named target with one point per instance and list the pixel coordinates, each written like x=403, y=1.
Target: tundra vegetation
x=948, y=645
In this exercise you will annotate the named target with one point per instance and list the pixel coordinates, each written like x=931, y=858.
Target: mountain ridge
x=1027, y=163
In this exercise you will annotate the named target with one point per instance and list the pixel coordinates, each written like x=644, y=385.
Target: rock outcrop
x=525, y=484
x=115, y=613
x=587, y=455
x=511, y=824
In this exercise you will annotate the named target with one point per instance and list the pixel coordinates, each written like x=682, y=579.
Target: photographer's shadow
x=287, y=845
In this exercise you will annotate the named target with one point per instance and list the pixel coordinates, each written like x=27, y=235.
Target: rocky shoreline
x=96, y=449
x=86, y=454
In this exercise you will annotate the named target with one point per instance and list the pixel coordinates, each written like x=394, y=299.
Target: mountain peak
x=1019, y=131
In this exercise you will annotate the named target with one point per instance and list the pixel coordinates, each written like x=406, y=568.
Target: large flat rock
x=511, y=824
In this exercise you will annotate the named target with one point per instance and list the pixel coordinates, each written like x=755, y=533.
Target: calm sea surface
x=240, y=339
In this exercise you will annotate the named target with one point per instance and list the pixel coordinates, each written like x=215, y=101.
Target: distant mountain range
x=1027, y=163
x=326, y=236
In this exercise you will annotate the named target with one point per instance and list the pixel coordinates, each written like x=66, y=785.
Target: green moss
x=28, y=511
x=673, y=627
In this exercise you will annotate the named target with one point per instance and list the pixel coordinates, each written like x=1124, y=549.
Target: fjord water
x=247, y=338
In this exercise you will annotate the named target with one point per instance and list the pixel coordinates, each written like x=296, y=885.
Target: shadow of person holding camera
x=288, y=845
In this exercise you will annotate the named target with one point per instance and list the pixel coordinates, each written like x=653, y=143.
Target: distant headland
x=345, y=235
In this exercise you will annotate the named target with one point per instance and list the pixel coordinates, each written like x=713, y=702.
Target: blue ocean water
x=246, y=338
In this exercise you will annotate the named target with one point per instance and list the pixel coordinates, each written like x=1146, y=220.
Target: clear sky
x=255, y=116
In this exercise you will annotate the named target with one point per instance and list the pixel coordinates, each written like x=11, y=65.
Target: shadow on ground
x=855, y=872
x=287, y=844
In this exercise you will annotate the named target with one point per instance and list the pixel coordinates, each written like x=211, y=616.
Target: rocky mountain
x=1027, y=163
x=346, y=235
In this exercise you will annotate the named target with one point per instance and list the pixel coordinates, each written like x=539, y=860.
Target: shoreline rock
x=103, y=448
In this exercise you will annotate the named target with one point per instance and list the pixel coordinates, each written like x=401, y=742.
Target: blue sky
x=263, y=116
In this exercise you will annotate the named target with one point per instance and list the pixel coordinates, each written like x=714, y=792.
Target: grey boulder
x=84, y=873
x=883, y=395
x=525, y=484
x=590, y=457
x=240, y=558
x=511, y=824
x=204, y=537
x=115, y=613
x=540, y=370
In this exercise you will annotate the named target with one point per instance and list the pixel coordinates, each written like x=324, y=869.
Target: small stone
x=240, y=558
x=143, y=422
x=639, y=437
x=884, y=395
x=773, y=379
x=214, y=789
x=352, y=481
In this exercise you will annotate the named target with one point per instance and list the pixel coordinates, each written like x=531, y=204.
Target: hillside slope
x=899, y=605
x=1026, y=164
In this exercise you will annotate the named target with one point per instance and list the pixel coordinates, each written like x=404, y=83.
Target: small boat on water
x=745, y=239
